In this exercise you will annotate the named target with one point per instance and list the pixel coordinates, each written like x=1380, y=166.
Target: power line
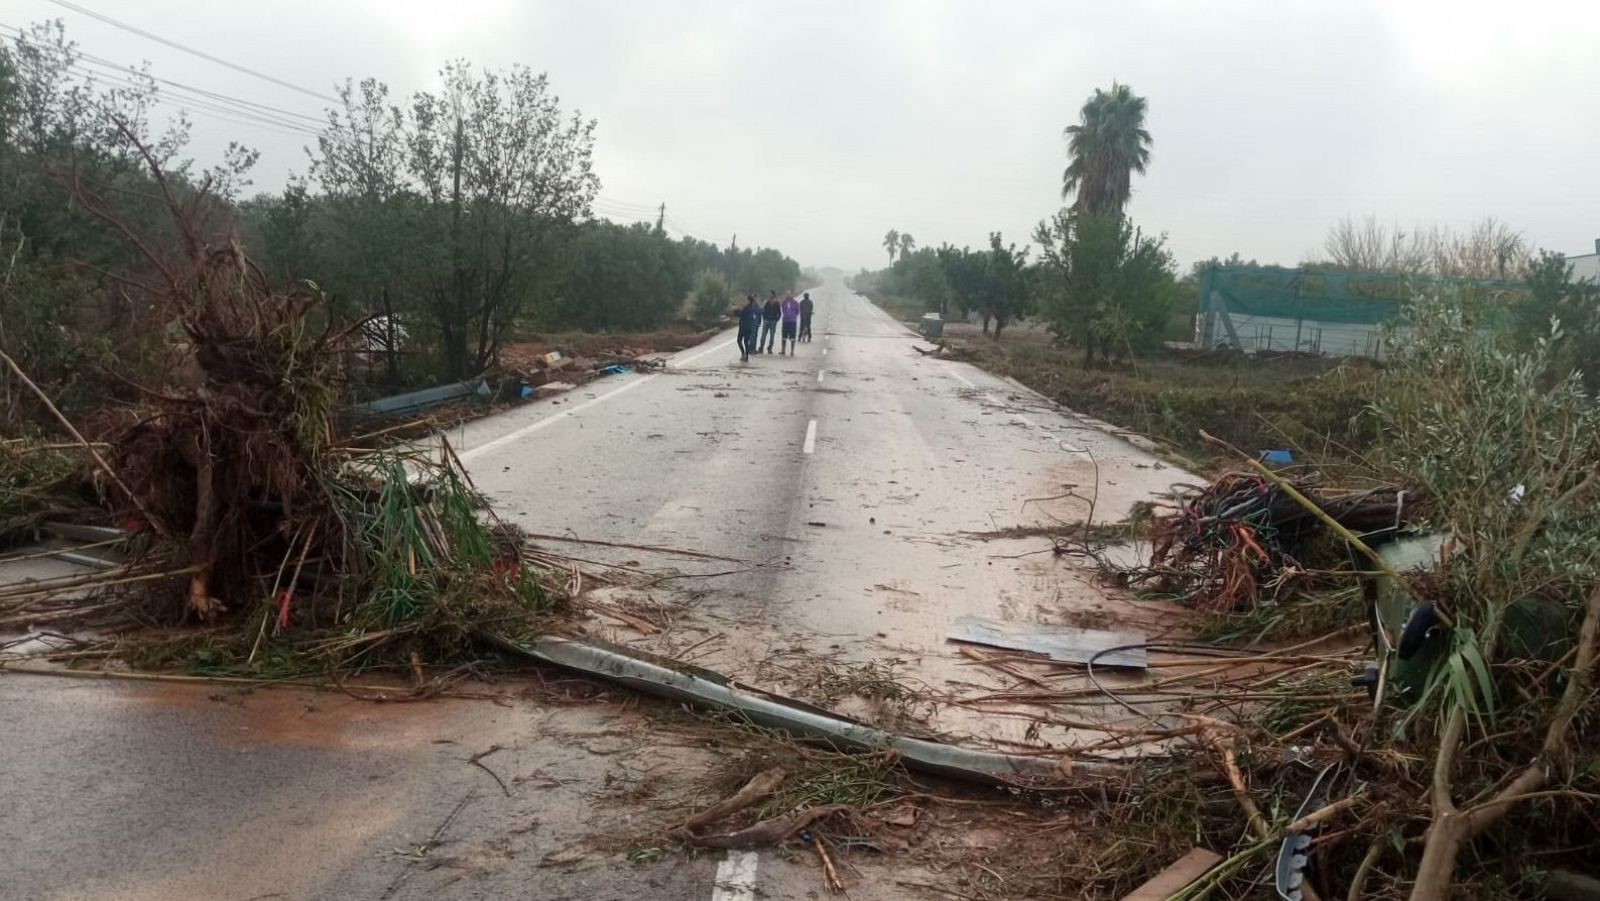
x=218, y=105
x=645, y=209
x=65, y=4
x=265, y=108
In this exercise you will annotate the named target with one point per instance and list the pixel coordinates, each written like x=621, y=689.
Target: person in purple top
x=791, y=322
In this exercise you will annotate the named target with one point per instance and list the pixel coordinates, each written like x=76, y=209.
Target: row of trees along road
x=1099, y=281
x=457, y=216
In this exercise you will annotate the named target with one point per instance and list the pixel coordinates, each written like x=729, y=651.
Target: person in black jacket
x=749, y=326
x=771, y=312
x=806, y=307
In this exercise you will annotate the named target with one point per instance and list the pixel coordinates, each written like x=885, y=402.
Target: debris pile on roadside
x=1431, y=740
x=253, y=514
x=1244, y=538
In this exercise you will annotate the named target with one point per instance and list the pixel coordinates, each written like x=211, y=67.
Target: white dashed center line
x=736, y=877
x=811, y=438
x=819, y=375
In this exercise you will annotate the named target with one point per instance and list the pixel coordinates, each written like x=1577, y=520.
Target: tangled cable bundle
x=1239, y=540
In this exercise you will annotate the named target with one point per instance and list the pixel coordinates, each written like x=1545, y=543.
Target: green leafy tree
x=993, y=282
x=1555, y=296
x=502, y=176
x=891, y=243
x=712, y=297
x=1107, y=146
x=624, y=278
x=1105, y=285
x=73, y=187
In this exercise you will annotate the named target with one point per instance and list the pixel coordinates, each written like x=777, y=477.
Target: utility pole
x=661, y=219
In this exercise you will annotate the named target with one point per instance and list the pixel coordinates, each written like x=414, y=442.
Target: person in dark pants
x=771, y=312
x=806, y=307
x=791, y=321
x=749, y=326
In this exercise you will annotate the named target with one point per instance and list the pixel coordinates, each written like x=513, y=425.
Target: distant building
x=1587, y=265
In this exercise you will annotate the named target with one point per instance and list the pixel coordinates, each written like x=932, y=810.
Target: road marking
x=824, y=351
x=710, y=350
x=811, y=438
x=529, y=429
x=962, y=379
x=736, y=877
x=1026, y=421
x=819, y=375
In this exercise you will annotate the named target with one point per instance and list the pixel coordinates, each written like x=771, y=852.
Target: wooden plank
x=1170, y=881
x=1064, y=644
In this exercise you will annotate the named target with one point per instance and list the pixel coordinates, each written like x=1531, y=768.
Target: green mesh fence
x=1315, y=311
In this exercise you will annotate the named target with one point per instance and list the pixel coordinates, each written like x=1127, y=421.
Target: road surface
x=846, y=477
x=852, y=475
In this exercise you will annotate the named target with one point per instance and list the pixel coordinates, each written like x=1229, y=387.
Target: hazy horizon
x=815, y=128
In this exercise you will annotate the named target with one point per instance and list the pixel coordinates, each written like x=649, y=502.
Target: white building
x=1586, y=265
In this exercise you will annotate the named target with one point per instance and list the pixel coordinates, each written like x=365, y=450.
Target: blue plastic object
x=1277, y=457
x=614, y=369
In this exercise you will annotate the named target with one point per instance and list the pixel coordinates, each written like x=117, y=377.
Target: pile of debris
x=1246, y=538
x=251, y=512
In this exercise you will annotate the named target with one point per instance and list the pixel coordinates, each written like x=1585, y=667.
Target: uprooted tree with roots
x=235, y=465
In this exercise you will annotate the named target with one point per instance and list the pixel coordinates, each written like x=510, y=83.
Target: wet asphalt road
x=851, y=474
x=847, y=473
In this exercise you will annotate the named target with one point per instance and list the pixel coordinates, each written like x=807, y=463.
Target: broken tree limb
x=769, y=832
x=830, y=875
x=760, y=787
x=1453, y=827
x=1002, y=666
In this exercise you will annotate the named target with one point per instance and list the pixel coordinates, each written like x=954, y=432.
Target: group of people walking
x=758, y=323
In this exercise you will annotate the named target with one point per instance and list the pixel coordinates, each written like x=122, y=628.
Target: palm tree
x=891, y=243
x=1105, y=148
x=907, y=244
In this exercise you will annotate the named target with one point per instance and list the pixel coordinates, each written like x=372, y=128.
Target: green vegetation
x=996, y=283
x=1105, y=285
x=454, y=220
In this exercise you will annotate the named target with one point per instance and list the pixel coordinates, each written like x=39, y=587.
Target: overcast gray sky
x=816, y=126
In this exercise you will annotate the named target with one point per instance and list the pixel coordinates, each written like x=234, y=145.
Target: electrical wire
x=214, y=104
x=1221, y=651
x=66, y=4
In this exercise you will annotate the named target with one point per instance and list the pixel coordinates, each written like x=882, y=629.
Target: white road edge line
x=676, y=364
x=811, y=438
x=736, y=877
x=532, y=427
x=962, y=379
x=529, y=429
